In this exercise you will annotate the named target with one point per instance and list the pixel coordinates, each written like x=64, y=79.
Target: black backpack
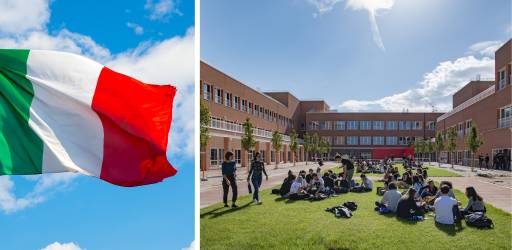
x=340, y=211
x=479, y=220
x=350, y=205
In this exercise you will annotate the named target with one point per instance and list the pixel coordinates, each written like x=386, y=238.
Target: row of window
x=222, y=97
x=370, y=125
x=217, y=156
x=369, y=140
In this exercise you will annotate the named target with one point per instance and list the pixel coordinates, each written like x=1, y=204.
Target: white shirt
x=391, y=199
x=295, y=187
x=443, y=207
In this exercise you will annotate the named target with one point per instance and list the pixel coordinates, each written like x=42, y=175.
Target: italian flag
x=60, y=112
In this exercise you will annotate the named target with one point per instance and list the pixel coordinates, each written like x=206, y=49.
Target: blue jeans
x=256, y=183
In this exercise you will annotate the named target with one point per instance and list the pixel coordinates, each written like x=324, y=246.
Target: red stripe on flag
x=136, y=119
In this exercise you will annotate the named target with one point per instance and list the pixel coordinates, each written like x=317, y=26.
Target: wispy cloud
x=162, y=9
x=137, y=29
x=23, y=15
x=485, y=48
x=373, y=7
x=192, y=246
x=437, y=86
x=45, y=185
x=62, y=246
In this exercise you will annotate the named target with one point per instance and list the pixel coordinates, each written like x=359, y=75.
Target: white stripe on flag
x=61, y=112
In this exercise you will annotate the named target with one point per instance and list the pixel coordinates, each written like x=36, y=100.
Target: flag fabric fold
x=61, y=112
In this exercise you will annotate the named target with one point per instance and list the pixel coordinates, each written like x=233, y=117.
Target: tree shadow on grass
x=214, y=214
x=450, y=230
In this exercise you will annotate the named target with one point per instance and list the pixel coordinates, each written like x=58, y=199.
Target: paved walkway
x=211, y=190
x=496, y=189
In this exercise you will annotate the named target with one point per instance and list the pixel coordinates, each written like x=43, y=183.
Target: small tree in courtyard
x=429, y=148
x=419, y=147
x=439, y=146
x=204, y=124
x=248, y=142
x=473, y=142
x=277, y=143
x=315, y=143
x=307, y=145
x=294, y=145
x=324, y=147
x=452, y=143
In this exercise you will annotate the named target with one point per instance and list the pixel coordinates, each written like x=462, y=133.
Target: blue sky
x=326, y=48
x=150, y=40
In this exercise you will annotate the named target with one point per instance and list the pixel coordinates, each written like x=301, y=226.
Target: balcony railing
x=505, y=122
x=238, y=128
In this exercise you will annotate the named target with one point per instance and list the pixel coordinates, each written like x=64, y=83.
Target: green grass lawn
x=284, y=224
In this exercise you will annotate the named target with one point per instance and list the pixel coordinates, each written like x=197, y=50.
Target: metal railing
x=505, y=122
x=238, y=128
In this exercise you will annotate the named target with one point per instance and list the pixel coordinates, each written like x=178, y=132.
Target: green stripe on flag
x=21, y=150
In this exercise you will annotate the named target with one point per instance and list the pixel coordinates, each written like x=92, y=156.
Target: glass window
x=228, y=99
x=218, y=95
x=378, y=125
x=365, y=140
x=352, y=125
x=352, y=140
x=339, y=125
x=431, y=125
x=502, y=80
x=365, y=125
x=238, y=156
x=214, y=157
x=313, y=125
x=207, y=91
x=338, y=140
x=405, y=125
x=378, y=140
x=417, y=125
x=391, y=125
x=236, y=102
x=391, y=140
x=325, y=125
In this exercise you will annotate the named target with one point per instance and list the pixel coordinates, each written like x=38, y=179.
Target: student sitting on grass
x=328, y=182
x=450, y=192
x=309, y=176
x=407, y=207
x=297, y=191
x=316, y=185
x=389, y=201
x=445, y=207
x=475, y=202
x=396, y=174
x=366, y=185
x=417, y=185
x=287, y=183
x=429, y=190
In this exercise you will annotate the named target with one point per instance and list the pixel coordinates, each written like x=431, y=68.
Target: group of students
x=413, y=204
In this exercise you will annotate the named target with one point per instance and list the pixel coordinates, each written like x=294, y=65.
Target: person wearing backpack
x=444, y=207
x=256, y=171
x=475, y=202
x=348, y=168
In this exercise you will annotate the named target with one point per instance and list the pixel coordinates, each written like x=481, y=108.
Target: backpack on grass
x=340, y=211
x=350, y=205
x=479, y=220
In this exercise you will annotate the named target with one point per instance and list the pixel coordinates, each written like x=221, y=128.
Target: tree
x=248, y=142
x=429, y=148
x=315, y=139
x=419, y=147
x=204, y=121
x=324, y=147
x=473, y=142
x=277, y=143
x=294, y=145
x=452, y=142
x=439, y=146
x=307, y=145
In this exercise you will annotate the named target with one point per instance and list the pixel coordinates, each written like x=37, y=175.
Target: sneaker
x=255, y=201
x=234, y=206
x=259, y=202
x=226, y=205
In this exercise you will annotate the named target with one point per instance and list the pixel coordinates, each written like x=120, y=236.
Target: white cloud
x=191, y=246
x=162, y=9
x=44, y=186
x=323, y=6
x=486, y=48
x=137, y=29
x=436, y=88
x=62, y=246
x=22, y=15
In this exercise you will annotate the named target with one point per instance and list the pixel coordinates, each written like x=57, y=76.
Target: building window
x=218, y=95
x=313, y=125
x=256, y=110
x=378, y=125
x=378, y=140
x=468, y=127
x=207, y=92
x=405, y=125
x=214, y=159
x=365, y=125
x=228, y=97
x=262, y=113
x=431, y=125
x=351, y=140
x=391, y=125
x=417, y=125
x=460, y=129
x=352, y=125
x=391, y=140
x=250, y=109
x=505, y=117
x=404, y=140
x=339, y=125
x=238, y=156
x=243, y=107
x=325, y=125
x=502, y=79
x=365, y=140
x=236, y=102
x=338, y=140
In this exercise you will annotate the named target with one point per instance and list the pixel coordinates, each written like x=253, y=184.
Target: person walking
x=255, y=175
x=348, y=168
x=229, y=179
x=487, y=161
